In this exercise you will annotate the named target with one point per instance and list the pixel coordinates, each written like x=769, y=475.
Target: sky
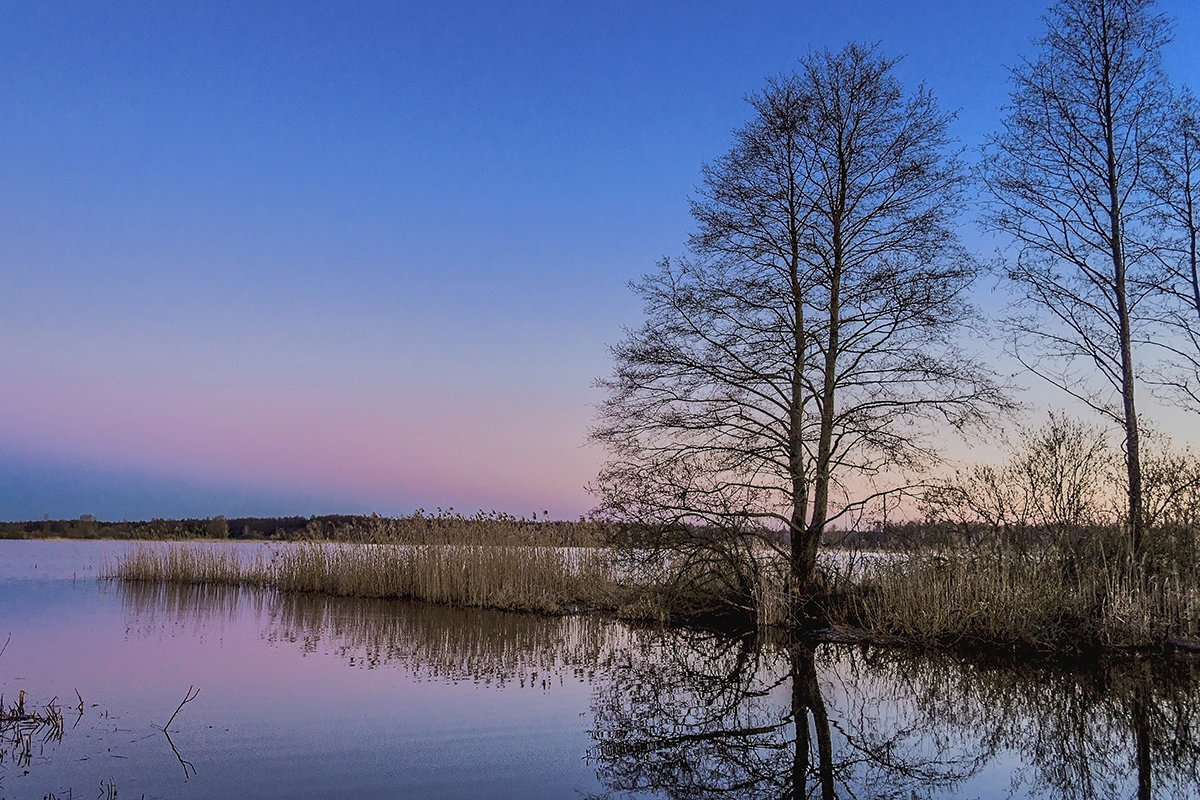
x=264, y=259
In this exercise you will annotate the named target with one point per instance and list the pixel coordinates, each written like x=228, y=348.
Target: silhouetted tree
x=1070, y=181
x=1056, y=479
x=812, y=335
x=1175, y=181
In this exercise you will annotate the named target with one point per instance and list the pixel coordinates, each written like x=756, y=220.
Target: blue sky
x=277, y=258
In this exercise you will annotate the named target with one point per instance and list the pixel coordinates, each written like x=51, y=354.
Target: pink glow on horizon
x=499, y=451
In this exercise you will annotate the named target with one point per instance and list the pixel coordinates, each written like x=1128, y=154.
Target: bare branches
x=1056, y=480
x=189, y=769
x=1175, y=182
x=812, y=337
x=1070, y=176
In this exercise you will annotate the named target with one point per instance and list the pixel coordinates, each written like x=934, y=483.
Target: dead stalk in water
x=188, y=697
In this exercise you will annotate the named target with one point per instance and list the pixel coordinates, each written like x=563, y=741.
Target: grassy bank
x=487, y=560
x=1068, y=594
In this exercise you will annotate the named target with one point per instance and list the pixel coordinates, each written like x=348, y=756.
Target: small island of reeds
x=1057, y=593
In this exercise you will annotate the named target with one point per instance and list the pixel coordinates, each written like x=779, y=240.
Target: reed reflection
x=693, y=714
x=153, y=609
x=451, y=644
x=429, y=641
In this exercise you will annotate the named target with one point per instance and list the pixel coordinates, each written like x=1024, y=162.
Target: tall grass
x=1067, y=597
x=207, y=564
x=527, y=578
x=1071, y=595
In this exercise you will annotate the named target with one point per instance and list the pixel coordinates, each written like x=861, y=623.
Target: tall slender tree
x=1068, y=175
x=1175, y=181
x=811, y=338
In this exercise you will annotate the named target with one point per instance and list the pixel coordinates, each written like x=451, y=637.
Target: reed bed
x=514, y=577
x=208, y=564
x=447, y=526
x=1070, y=596
x=1067, y=597
x=1059, y=600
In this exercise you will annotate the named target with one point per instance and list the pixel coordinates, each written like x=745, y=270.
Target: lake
x=300, y=696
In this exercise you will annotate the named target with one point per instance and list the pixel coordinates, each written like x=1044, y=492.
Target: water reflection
x=433, y=643
x=1125, y=729
x=24, y=729
x=690, y=715
x=698, y=716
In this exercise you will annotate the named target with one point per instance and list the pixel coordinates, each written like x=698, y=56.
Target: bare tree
x=810, y=342
x=1065, y=466
x=1172, y=476
x=1056, y=479
x=1069, y=177
x=1175, y=181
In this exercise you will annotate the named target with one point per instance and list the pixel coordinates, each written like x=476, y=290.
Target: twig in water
x=192, y=692
x=5, y=645
x=187, y=765
x=79, y=710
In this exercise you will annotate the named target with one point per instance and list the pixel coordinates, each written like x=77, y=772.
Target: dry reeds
x=20, y=726
x=1065, y=598
x=1072, y=595
x=207, y=564
x=447, y=526
x=527, y=578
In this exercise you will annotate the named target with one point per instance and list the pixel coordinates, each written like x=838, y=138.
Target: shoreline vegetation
x=1061, y=594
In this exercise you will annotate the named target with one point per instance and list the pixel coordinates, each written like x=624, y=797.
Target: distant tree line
x=442, y=526
x=87, y=526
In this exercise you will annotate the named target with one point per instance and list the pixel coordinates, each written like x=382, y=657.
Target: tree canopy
x=809, y=342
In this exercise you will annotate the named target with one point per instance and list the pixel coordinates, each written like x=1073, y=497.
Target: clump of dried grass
x=507, y=576
x=20, y=726
x=1068, y=597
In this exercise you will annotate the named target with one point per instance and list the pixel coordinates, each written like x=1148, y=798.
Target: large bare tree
x=1069, y=176
x=809, y=343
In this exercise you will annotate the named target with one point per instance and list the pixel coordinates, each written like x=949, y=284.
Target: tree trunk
x=806, y=702
x=824, y=472
x=803, y=553
x=1133, y=461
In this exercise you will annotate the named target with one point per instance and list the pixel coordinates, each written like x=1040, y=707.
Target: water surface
x=302, y=696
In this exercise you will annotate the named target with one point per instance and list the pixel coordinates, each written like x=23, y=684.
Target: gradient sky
x=301, y=258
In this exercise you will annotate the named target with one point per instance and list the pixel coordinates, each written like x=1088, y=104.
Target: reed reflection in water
x=434, y=643
x=692, y=714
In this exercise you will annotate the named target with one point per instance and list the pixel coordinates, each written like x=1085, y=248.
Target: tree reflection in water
x=698, y=715
x=1119, y=730
x=701, y=716
x=693, y=714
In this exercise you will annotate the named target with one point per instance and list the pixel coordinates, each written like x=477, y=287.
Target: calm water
x=308, y=697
